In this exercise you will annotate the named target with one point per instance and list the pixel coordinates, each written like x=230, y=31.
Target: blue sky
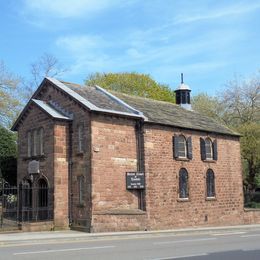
x=209, y=41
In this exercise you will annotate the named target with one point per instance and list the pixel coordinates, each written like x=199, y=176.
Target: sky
x=211, y=42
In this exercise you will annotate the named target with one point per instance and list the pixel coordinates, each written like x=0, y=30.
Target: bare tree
x=241, y=100
x=46, y=66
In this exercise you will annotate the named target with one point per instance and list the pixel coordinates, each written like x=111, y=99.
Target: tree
x=9, y=101
x=8, y=155
x=209, y=106
x=132, y=83
x=238, y=106
x=45, y=66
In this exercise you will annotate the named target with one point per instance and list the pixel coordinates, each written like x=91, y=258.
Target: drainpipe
x=70, y=172
x=140, y=158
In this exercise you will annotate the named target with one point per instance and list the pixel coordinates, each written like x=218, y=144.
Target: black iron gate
x=24, y=204
x=8, y=206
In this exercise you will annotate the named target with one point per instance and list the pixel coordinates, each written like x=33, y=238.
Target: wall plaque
x=34, y=167
x=135, y=180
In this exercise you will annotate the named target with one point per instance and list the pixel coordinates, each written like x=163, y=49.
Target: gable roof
x=98, y=99
x=45, y=107
x=166, y=113
x=49, y=110
x=155, y=111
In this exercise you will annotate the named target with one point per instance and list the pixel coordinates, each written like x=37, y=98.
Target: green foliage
x=133, y=84
x=238, y=107
x=207, y=105
x=8, y=155
x=9, y=100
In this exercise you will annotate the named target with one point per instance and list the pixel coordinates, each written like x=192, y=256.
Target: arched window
x=210, y=181
x=42, y=193
x=182, y=147
x=183, y=184
x=209, y=149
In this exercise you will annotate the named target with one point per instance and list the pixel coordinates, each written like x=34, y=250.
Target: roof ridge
x=146, y=98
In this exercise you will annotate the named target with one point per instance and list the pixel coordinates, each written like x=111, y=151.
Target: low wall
x=37, y=226
x=251, y=216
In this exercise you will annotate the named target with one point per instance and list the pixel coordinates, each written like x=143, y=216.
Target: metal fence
x=24, y=204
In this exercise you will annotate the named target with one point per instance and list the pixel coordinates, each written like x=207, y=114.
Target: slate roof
x=155, y=111
x=170, y=114
x=49, y=110
x=99, y=100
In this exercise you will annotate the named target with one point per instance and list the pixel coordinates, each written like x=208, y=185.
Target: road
x=211, y=245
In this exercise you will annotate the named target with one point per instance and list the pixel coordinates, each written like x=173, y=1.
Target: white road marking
x=253, y=235
x=178, y=257
x=228, y=234
x=184, y=241
x=63, y=250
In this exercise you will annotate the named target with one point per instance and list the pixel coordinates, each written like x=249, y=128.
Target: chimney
x=183, y=95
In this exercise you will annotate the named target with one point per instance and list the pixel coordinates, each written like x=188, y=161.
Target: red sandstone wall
x=35, y=119
x=113, y=154
x=81, y=214
x=163, y=207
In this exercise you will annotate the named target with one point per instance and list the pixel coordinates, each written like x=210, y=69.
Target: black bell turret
x=183, y=95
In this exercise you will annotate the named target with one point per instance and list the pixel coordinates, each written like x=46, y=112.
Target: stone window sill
x=209, y=161
x=211, y=198
x=183, y=199
x=182, y=159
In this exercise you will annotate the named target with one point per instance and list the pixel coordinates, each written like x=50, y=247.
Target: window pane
x=210, y=183
x=208, y=147
x=80, y=138
x=29, y=144
x=183, y=184
x=41, y=141
x=35, y=141
x=182, y=147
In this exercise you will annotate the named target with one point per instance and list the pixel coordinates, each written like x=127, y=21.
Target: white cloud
x=212, y=13
x=67, y=8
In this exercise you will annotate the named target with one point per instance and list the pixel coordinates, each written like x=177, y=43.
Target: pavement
x=60, y=236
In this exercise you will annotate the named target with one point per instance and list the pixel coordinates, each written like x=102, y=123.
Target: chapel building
x=97, y=160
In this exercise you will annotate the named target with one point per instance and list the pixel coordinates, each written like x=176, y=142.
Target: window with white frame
x=182, y=147
x=208, y=149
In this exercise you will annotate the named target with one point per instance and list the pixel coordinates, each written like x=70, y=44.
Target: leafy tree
x=9, y=100
x=8, y=155
x=132, y=83
x=238, y=106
